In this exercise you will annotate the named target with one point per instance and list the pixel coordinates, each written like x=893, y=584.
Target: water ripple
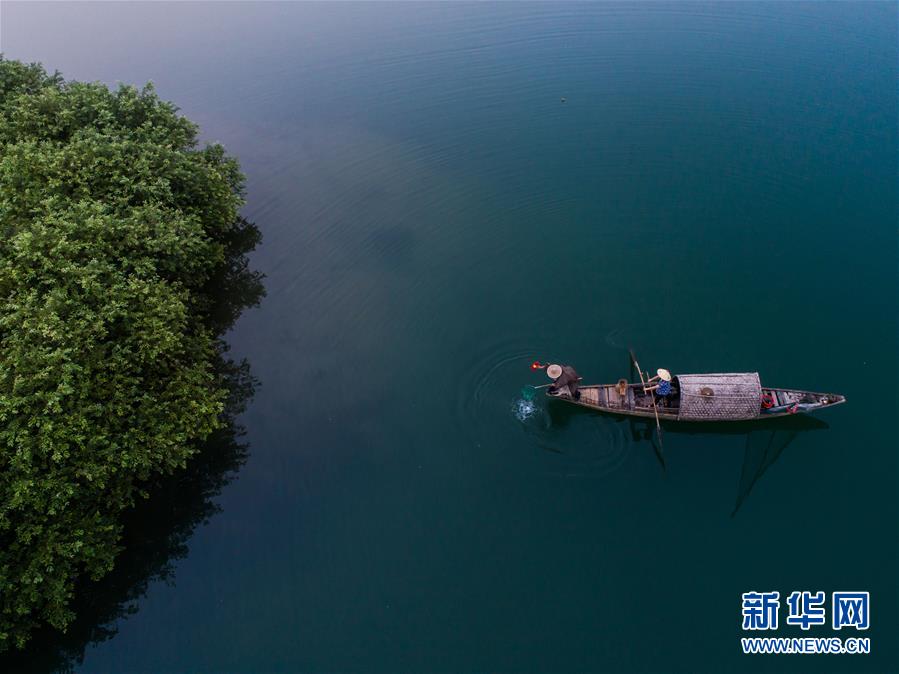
x=499, y=410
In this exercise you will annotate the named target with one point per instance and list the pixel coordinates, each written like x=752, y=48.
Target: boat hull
x=633, y=402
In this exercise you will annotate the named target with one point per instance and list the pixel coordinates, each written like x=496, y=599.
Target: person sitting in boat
x=663, y=390
x=564, y=377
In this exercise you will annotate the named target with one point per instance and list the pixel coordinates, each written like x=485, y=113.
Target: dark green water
x=718, y=191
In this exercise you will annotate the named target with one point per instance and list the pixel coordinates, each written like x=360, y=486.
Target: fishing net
x=524, y=408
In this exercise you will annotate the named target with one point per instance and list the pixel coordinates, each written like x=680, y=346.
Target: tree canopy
x=120, y=236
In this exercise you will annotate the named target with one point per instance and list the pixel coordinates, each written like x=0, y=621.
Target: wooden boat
x=701, y=397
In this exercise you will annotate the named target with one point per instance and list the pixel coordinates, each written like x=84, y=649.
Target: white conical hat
x=663, y=374
x=554, y=371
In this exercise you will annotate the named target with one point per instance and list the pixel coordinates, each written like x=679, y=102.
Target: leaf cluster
x=118, y=234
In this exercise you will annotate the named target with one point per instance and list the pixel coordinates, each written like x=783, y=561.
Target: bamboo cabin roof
x=734, y=395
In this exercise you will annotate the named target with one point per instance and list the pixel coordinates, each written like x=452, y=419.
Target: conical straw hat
x=554, y=371
x=663, y=374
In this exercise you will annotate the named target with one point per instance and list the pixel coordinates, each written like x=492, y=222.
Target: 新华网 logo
x=805, y=609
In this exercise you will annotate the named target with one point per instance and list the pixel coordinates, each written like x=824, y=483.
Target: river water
x=448, y=192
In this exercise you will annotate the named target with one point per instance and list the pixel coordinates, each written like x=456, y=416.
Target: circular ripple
x=497, y=407
x=586, y=444
x=491, y=383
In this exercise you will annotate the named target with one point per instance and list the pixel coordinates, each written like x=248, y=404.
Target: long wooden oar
x=654, y=407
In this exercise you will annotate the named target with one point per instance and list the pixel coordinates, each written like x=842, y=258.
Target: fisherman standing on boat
x=562, y=376
x=663, y=389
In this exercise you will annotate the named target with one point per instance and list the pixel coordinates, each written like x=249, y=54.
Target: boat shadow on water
x=766, y=439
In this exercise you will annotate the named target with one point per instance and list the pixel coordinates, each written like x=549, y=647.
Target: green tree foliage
x=119, y=233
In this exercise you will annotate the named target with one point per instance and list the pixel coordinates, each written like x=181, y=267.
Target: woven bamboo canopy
x=734, y=395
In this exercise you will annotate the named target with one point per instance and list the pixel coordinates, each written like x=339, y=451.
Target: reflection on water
x=156, y=530
x=764, y=446
x=765, y=441
x=155, y=537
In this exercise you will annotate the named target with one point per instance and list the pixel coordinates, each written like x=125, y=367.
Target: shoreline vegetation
x=123, y=261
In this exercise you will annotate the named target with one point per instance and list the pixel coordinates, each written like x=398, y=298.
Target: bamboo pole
x=655, y=408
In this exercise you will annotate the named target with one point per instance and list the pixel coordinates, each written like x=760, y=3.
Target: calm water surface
x=717, y=190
